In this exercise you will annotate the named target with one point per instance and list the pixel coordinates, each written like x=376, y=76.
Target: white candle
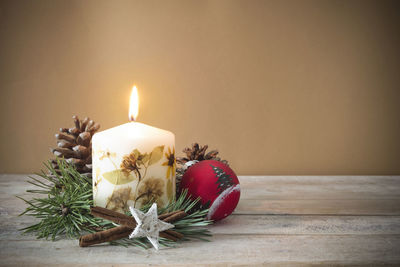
x=133, y=164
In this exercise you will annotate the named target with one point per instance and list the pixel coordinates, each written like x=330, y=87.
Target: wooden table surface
x=283, y=220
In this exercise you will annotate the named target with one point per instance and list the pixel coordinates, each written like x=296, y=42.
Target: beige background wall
x=279, y=87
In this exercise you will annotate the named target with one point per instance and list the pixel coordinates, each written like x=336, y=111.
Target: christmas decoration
x=194, y=154
x=74, y=144
x=148, y=225
x=66, y=206
x=137, y=180
x=127, y=225
x=65, y=210
x=217, y=186
x=197, y=152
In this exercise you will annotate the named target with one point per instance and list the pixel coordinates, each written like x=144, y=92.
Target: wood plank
x=250, y=236
x=308, y=225
x=320, y=187
x=355, y=195
x=224, y=249
x=320, y=207
x=282, y=187
x=329, y=195
x=261, y=224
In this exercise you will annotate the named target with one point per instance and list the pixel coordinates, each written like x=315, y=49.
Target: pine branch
x=192, y=226
x=63, y=209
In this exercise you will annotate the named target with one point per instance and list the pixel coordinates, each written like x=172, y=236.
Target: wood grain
x=319, y=195
x=281, y=220
x=224, y=249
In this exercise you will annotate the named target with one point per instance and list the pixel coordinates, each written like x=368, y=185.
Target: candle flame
x=134, y=104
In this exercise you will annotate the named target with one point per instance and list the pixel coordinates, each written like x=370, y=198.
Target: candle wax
x=133, y=165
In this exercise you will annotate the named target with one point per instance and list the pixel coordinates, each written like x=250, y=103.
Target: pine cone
x=75, y=145
x=196, y=152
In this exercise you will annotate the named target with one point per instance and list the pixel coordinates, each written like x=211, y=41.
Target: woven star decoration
x=148, y=225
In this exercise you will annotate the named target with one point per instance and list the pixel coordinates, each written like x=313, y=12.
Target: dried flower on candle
x=134, y=166
x=150, y=191
x=171, y=162
x=132, y=163
x=171, y=190
x=119, y=200
x=106, y=154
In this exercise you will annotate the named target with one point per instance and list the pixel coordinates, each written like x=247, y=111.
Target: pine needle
x=63, y=208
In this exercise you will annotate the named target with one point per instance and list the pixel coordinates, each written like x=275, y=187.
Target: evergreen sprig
x=64, y=203
x=64, y=209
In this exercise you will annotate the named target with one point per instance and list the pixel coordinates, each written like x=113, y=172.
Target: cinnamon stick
x=104, y=236
x=119, y=233
x=168, y=236
x=126, y=220
x=113, y=216
x=174, y=234
x=176, y=216
x=127, y=223
x=165, y=215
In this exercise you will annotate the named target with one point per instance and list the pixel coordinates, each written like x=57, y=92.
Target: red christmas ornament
x=217, y=186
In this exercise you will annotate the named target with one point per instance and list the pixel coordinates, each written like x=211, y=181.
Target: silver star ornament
x=148, y=225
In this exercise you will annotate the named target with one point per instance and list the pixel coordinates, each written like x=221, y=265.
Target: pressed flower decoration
x=119, y=199
x=151, y=190
x=170, y=163
x=131, y=163
x=134, y=167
